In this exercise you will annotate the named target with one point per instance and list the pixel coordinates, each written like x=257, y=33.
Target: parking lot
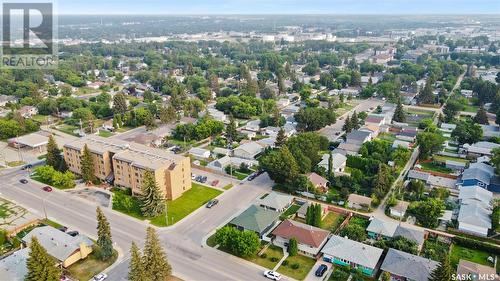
x=96, y=195
x=212, y=178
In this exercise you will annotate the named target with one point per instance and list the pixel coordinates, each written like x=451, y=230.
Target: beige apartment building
x=126, y=163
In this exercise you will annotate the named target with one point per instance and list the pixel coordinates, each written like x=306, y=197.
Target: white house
x=248, y=150
x=275, y=201
x=338, y=162
x=475, y=210
x=199, y=153
x=253, y=126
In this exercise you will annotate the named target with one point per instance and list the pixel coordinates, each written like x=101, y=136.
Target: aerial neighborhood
x=217, y=148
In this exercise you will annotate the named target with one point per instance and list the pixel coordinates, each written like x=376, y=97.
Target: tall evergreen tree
x=355, y=121
x=426, y=96
x=152, y=198
x=347, y=125
x=155, y=260
x=167, y=114
x=280, y=138
x=399, y=114
x=104, y=242
x=292, y=247
x=41, y=266
x=481, y=116
x=231, y=132
x=87, y=165
x=330, y=164
x=443, y=272
x=317, y=215
x=136, y=267
x=119, y=103
x=54, y=157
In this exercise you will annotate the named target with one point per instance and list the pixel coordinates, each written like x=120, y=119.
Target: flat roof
x=33, y=140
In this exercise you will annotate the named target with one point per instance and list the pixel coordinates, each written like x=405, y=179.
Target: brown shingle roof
x=305, y=234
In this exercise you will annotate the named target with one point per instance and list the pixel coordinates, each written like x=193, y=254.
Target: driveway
x=312, y=277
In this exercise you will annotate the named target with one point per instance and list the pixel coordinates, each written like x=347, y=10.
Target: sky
x=183, y=7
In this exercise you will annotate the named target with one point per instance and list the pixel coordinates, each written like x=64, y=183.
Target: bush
x=284, y=263
x=295, y=266
x=274, y=259
x=264, y=255
x=50, y=176
x=475, y=244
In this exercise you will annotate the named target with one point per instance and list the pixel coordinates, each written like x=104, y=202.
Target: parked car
x=62, y=228
x=215, y=182
x=203, y=179
x=321, y=270
x=193, y=177
x=47, y=188
x=73, y=233
x=252, y=177
x=24, y=181
x=26, y=167
x=212, y=203
x=272, y=275
x=100, y=277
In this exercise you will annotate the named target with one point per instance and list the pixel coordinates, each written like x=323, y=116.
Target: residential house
x=399, y=210
x=469, y=270
x=221, y=151
x=359, y=202
x=447, y=128
x=385, y=229
x=319, y=182
x=371, y=128
x=275, y=201
x=479, y=174
x=345, y=252
x=248, y=150
x=256, y=219
x=358, y=137
x=338, y=162
x=301, y=212
x=253, y=126
x=4, y=100
x=490, y=131
x=455, y=165
x=482, y=148
x=310, y=239
x=65, y=248
x=28, y=111
x=403, y=266
x=433, y=181
x=475, y=210
x=221, y=163
x=348, y=148
x=375, y=119
x=467, y=93
x=400, y=143
x=407, y=135
x=199, y=153
x=13, y=267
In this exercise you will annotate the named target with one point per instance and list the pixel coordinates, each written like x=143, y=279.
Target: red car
x=215, y=182
x=47, y=188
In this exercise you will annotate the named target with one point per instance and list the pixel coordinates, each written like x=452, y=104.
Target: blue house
x=480, y=174
x=344, y=252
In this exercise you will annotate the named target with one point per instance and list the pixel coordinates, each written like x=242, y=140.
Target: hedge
x=475, y=244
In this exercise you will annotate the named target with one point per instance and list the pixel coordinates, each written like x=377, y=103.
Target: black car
x=26, y=167
x=24, y=181
x=212, y=203
x=252, y=177
x=321, y=270
x=62, y=228
x=73, y=233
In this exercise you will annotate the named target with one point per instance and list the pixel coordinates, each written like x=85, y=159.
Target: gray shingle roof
x=255, y=218
x=473, y=213
x=353, y=251
x=411, y=234
x=276, y=200
x=13, y=267
x=408, y=265
x=58, y=244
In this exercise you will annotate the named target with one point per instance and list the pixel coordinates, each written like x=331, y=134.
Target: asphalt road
x=183, y=241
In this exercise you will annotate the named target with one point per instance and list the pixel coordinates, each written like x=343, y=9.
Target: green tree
x=495, y=159
x=354, y=232
x=87, y=166
x=426, y=96
x=155, y=260
x=427, y=212
x=152, y=198
x=167, y=114
x=40, y=265
x=136, y=267
x=104, y=241
x=280, y=138
x=481, y=116
x=355, y=121
x=330, y=164
x=240, y=243
x=280, y=165
x=429, y=143
x=292, y=247
x=399, y=114
x=451, y=109
x=119, y=103
x=467, y=132
x=313, y=215
x=54, y=157
x=404, y=244
x=231, y=132
x=443, y=272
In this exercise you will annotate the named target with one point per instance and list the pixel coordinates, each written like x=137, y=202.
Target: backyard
x=473, y=255
x=331, y=221
x=290, y=211
x=299, y=273
x=435, y=167
x=89, y=267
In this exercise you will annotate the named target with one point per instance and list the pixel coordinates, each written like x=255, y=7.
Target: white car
x=193, y=176
x=272, y=275
x=100, y=277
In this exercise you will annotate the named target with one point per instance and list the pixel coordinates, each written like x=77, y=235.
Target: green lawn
x=15, y=163
x=305, y=265
x=270, y=257
x=105, y=133
x=441, y=158
x=239, y=175
x=387, y=137
x=459, y=252
x=331, y=221
x=228, y=187
x=290, y=211
x=68, y=129
x=211, y=241
x=191, y=200
x=431, y=166
x=86, y=269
